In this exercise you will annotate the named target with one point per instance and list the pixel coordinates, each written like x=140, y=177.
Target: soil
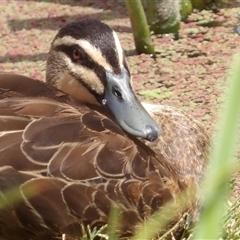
x=189, y=73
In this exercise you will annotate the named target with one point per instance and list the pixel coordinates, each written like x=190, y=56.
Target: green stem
x=140, y=28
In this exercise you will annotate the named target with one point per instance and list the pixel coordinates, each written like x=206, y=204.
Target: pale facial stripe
x=119, y=50
x=88, y=76
x=90, y=49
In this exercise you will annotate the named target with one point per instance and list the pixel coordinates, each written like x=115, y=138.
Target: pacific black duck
x=66, y=155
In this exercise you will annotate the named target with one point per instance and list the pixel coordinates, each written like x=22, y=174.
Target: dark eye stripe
x=85, y=60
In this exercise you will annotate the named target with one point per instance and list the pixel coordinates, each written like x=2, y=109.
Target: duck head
x=86, y=60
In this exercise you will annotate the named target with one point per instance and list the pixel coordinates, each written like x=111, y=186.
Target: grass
x=216, y=187
x=231, y=221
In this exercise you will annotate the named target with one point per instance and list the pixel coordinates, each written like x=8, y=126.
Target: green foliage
x=231, y=221
x=222, y=164
x=91, y=234
x=155, y=93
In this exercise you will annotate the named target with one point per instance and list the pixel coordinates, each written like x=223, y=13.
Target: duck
x=81, y=142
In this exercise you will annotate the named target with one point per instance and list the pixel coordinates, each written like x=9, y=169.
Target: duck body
x=65, y=160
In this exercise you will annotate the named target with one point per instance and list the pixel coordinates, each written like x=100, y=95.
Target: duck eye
x=117, y=93
x=76, y=54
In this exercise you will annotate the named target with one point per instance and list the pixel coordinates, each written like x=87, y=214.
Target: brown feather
x=84, y=163
x=64, y=164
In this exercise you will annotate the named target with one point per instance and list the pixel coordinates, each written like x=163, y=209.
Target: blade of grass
x=231, y=225
x=215, y=187
x=158, y=221
x=113, y=222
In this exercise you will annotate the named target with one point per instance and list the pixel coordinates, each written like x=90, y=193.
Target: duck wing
x=69, y=164
x=184, y=142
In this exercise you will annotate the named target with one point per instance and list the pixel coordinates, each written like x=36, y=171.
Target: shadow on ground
x=20, y=58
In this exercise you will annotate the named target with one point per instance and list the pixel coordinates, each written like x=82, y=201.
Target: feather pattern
x=75, y=162
x=64, y=163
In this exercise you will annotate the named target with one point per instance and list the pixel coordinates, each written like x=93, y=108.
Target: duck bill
x=121, y=102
